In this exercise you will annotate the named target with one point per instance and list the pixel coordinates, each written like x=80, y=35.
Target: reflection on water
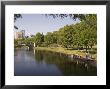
x=43, y=63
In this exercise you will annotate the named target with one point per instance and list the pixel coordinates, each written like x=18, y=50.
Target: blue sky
x=33, y=23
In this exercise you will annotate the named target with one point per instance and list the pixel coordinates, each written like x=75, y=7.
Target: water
x=43, y=63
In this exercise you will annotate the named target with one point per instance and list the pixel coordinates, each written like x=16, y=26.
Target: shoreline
x=72, y=54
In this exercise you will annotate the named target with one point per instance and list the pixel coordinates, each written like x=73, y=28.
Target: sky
x=33, y=23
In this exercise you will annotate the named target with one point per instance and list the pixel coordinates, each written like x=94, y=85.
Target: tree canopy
x=79, y=35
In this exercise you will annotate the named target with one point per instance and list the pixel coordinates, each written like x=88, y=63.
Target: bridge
x=30, y=45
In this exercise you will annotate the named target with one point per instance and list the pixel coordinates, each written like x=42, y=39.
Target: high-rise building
x=19, y=34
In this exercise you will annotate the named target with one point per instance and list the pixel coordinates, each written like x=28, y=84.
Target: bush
x=54, y=45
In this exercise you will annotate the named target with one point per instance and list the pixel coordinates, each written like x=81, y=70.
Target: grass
x=65, y=51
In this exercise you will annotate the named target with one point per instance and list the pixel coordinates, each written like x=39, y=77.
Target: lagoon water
x=43, y=63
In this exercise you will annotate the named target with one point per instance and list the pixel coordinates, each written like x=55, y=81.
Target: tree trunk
x=34, y=44
x=91, y=47
x=86, y=49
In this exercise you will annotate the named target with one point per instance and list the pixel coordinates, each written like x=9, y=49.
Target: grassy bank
x=65, y=51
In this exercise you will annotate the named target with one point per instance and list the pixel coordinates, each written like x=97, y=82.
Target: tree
x=42, y=37
x=48, y=38
x=91, y=20
x=38, y=39
x=72, y=16
x=65, y=36
x=55, y=37
x=16, y=16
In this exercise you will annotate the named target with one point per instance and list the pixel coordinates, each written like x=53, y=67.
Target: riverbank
x=80, y=54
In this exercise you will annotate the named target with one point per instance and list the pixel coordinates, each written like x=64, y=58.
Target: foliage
x=16, y=16
x=81, y=35
x=39, y=38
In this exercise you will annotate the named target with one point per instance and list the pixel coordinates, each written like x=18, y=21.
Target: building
x=23, y=33
x=19, y=34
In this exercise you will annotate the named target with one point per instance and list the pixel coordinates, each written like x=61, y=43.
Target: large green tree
x=38, y=39
x=65, y=36
x=49, y=38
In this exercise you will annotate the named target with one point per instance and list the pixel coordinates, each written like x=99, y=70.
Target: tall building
x=23, y=33
x=19, y=34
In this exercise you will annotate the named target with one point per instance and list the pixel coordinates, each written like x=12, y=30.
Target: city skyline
x=33, y=23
